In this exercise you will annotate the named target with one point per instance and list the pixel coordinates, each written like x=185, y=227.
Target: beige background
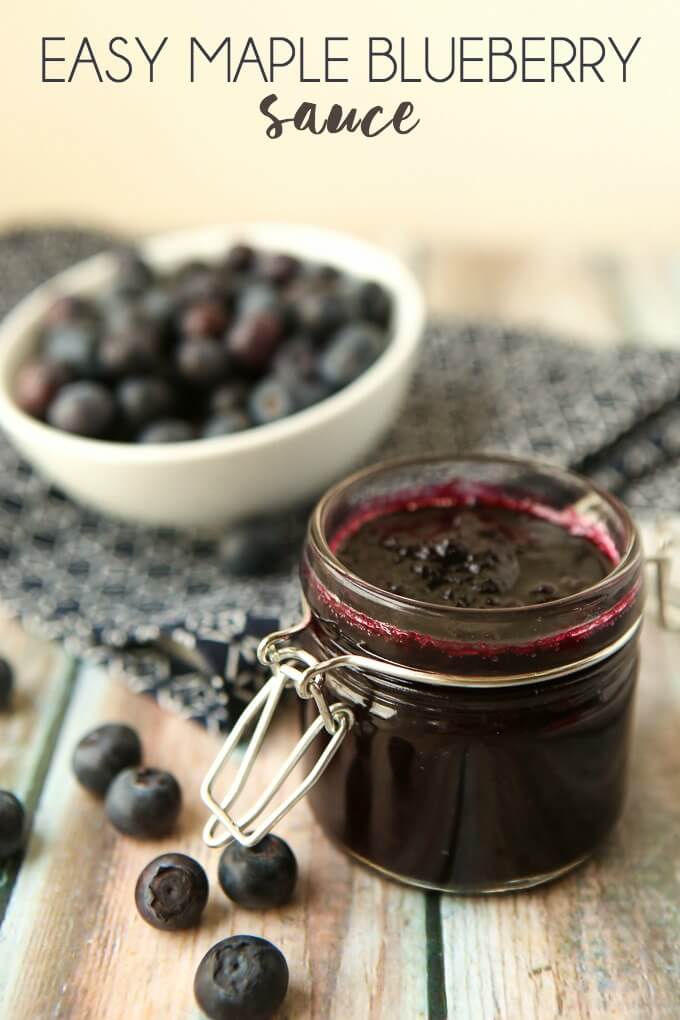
x=589, y=165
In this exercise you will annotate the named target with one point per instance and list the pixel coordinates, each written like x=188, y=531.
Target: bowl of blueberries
x=208, y=376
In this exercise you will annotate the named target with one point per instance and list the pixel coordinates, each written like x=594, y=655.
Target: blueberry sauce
x=540, y=554
x=479, y=557
x=480, y=789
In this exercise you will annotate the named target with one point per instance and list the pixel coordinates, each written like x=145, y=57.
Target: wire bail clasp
x=285, y=661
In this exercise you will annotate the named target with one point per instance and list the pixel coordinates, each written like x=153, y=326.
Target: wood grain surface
x=600, y=944
x=28, y=733
x=354, y=944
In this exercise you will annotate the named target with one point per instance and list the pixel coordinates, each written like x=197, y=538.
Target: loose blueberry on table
x=12, y=824
x=172, y=892
x=104, y=752
x=208, y=350
x=6, y=683
x=144, y=803
x=242, y=978
x=260, y=877
x=259, y=546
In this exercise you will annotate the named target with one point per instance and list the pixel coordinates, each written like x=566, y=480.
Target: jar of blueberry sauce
x=469, y=658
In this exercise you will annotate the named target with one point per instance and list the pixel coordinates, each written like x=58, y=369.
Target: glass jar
x=482, y=750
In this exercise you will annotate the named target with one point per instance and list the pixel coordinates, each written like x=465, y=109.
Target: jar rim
x=317, y=533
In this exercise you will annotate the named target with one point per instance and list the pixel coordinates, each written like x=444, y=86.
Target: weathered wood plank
x=41, y=684
x=604, y=942
x=29, y=730
x=644, y=296
x=560, y=293
x=355, y=945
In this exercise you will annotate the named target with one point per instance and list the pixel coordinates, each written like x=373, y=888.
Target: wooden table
x=599, y=945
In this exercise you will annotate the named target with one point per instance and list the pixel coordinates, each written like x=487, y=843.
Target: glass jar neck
x=349, y=614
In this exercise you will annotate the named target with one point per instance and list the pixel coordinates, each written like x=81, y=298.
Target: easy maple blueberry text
x=429, y=60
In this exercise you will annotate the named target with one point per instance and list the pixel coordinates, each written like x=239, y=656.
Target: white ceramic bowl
x=227, y=478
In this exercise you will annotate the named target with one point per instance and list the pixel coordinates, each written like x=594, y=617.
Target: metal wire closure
x=294, y=667
x=337, y=719
x=365, y=664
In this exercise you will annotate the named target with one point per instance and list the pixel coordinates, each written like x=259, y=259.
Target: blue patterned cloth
x=120, y=593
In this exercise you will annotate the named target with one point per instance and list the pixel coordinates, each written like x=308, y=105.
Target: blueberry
x=278, y=269
x=296, y=364
x=197, y=281
x=351, y=351
x=74, y=346
x=261, y=877
x=206, y=318
x=260, y=297
x=242, y=978
x=157, y=303
x=133, y=275
x=321, y=314
x=83, y=408
x=103, y=753
x=143, y=399
x=37, y=383
x=295, y=359
x=239, y=258
x=6, y=683
x=12, y=824
x=325, y=275
x=254, y=547
x=230, y=396
x=202, y=361
x=122, y=313
x=270, y=401
x=69, y=309
x=307, y=392
x=373, y=303
x=225, y=424
x=144, y=802
x=254, y=338
x=171, y=892
x=133, y=347
x=167, y=430
x=189, y=270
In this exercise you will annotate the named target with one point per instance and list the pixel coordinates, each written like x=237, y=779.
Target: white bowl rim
x=405, y=291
